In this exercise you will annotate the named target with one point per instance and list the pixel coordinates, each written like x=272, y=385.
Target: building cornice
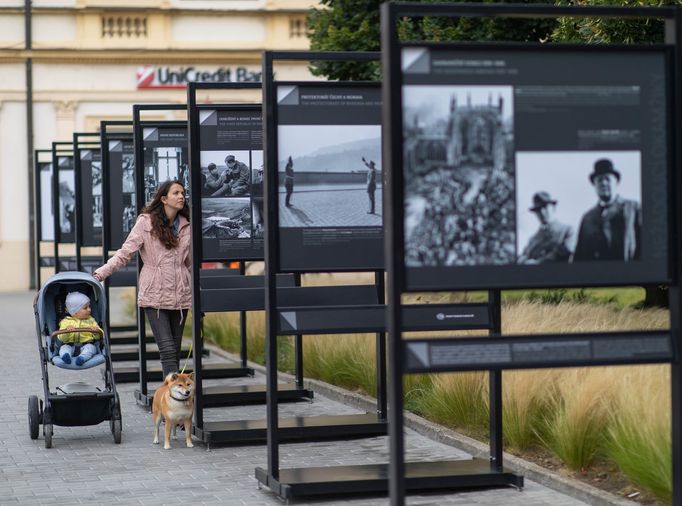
x=130, y=56
x=153, y=10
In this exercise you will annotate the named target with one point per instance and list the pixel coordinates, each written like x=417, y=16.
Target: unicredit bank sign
x=153, y=77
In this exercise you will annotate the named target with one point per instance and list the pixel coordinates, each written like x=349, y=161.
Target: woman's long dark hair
x=162, y=228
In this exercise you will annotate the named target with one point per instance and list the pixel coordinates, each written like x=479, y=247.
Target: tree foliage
x=353, y=25
x=610, y=30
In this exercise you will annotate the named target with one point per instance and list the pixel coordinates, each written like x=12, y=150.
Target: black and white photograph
x=128, y=192
x=46, y=212
x=163, y=164
x=96, y=193
x=226, y=218
x=257, y=206
x=128, y=175
x=225, y=174
x=67, y=200
x=121, y=212
x=329, y=176
x=459, y=175
x=129, y=215
x=578, y=206
x=257, y=173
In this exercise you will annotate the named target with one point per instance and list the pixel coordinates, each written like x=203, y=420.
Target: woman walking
x=161, y=235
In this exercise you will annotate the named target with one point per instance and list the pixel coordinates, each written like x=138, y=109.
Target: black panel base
x=131, y=374
x=144, y=400
x=127, y=338
x=239, y=395
x=373, y=478
x=125, y=353
x=298, y=428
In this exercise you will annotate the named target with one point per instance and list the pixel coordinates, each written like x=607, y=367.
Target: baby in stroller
x=63, y=302
x=78, y=306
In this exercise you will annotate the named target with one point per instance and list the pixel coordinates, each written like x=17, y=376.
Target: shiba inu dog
x=174, y=402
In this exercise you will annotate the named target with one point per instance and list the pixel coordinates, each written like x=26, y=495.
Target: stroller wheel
x=47, y=432
x=33, y=416
x=115, y=424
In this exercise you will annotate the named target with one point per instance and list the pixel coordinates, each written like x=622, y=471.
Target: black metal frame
x=78, y=146
x=138, y=124
x=142, y=395
x=229, y=285
x=346, y=312
x=671, y=342
x=110, y=131
x=38, y=232
x=61, y=148
x=344, y=315
x=271, y=476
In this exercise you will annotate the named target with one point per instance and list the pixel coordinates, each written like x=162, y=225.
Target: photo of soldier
x=213, y=180
x=611, y=230
x=329, y=176
x=236, y=179
x=371, y=182
x=553, y=242
x=289, y=181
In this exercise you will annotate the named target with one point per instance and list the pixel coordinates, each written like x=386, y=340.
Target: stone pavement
x=330, y=206
x=85, y=466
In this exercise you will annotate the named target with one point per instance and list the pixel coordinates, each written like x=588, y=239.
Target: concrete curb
x=435, y=432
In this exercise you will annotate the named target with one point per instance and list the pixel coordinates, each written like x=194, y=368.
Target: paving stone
x=85, y=466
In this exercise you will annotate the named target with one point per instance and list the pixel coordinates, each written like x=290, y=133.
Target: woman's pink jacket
x=164, y=281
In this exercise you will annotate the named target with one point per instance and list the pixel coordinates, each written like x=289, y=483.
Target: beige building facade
x=93, y=59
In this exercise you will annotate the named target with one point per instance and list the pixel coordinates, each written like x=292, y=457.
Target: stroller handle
x=94, y=330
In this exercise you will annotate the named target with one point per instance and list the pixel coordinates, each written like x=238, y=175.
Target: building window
x=298, y=28
x=123, y=27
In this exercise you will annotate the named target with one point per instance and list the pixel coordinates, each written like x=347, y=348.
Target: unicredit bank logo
x=152, y=77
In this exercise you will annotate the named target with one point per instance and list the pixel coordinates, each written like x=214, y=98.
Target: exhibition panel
x=323, y=193
x=524, y=165
x=226, y=146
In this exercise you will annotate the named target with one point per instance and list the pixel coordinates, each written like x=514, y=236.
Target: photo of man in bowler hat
x=553, y=241
x=611, y=230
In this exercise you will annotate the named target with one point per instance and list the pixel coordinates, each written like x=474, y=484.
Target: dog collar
x=179, y=400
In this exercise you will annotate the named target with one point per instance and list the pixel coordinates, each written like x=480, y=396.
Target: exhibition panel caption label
x=329, y=176
x=534, y=168
x=231, y=160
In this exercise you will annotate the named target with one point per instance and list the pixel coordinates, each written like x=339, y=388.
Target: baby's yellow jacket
x=76, y=337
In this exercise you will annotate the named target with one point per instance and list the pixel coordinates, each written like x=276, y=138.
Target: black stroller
x=79, y=403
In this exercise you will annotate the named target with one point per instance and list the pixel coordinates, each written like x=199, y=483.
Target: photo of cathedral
x=459, y=175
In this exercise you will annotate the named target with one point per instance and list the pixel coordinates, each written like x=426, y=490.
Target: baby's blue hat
x=75, y=301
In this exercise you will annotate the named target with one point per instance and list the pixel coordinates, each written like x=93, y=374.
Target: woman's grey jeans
x=167, y=326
